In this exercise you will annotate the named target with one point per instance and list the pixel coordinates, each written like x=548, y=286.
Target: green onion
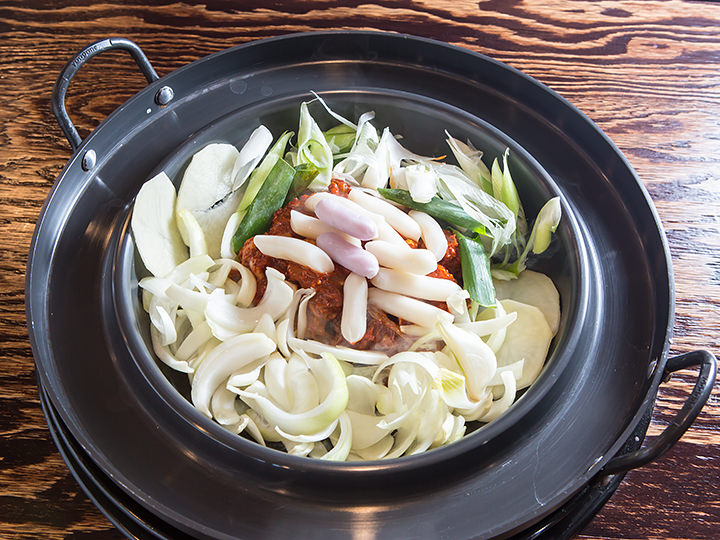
x=546, y=223
x=476, y=271
x=269, y=199
x=259, y=175
x=340, y=138
x=503, y=186
x=305, y=173
x=438, y=208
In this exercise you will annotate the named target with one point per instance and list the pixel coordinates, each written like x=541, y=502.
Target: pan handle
x=72, y=67
x=683, y=419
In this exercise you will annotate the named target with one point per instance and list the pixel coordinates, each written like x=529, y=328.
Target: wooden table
x=647, y=72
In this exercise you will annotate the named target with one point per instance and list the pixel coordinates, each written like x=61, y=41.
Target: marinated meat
x=383, y=334
x=339, y=187
x=442, y=273
x=414, y=244
x=451, y=260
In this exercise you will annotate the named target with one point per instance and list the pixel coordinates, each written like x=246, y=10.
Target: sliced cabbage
x=312, y=148
x=207, y=193
x=535, y=289
x=476, y=359
x=527, y=339
x=470, y=161
x=153, y=225
x=227, y=320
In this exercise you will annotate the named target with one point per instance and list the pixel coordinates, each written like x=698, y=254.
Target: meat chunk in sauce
x=451, y=260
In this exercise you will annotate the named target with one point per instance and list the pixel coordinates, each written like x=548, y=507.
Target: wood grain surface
x=647, y=72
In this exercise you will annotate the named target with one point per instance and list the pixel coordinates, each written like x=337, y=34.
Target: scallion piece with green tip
x=475, y=263
x=268, y=200
x=305, y=173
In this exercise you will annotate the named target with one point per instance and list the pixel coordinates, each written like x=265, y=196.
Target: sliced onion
x=275, y=381
x=226, y=319
x=223, y=407
x=489, y=326
x=365, y=429
x=164, y=354
x=476, y=359
x=341, y=449
x=193, y=341
x=303, y=391
x=316, y=418
x=225, y=359
x=342, y=353
x=503, y=404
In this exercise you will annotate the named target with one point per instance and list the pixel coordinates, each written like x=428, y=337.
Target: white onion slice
x=303, y=391
x=316, y=418
x=275, y=381
x=193, y=341
x=162, y=321
x=342, y=446
x=295, y=250
x=250, y=154
x=222, y=405
x=233, y=222
x=342, y=353
x=248, y=284
x=490, y=326
x=164, y=354
x=222, y=361
x=366, y=430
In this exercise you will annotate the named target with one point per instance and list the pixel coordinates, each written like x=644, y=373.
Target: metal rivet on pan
x=88, y=160
x=164, y=95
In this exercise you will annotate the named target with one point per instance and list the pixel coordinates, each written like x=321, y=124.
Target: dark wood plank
x=647, y=72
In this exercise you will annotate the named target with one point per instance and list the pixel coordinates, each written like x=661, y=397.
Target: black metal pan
x=610, y=262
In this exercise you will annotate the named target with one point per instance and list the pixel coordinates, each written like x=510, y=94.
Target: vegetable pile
x=343, y=298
